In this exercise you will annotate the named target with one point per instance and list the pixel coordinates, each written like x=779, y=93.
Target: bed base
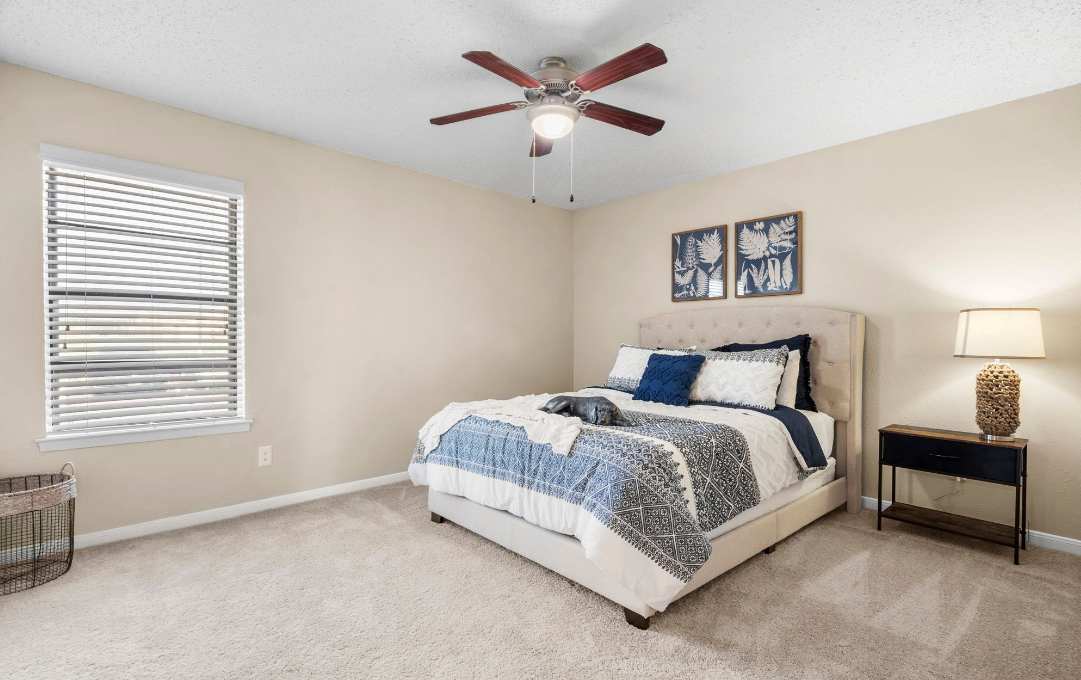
x=564, y=554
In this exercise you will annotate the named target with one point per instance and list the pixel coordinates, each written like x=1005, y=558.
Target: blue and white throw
x=640, y=497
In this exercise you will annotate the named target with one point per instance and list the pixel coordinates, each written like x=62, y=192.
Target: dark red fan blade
x=641, y=58
x=541, y=146
x=501, y=68
x=613, y=115
x=476, y=113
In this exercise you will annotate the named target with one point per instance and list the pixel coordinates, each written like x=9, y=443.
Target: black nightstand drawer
x=957, y=459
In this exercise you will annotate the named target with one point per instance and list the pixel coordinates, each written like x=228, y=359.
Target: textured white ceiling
x=747, y=82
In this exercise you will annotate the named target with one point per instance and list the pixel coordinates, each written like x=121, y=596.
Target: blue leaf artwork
x=698, y=258
x=768, y=257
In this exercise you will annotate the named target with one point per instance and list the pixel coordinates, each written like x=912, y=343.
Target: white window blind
x=144, y=301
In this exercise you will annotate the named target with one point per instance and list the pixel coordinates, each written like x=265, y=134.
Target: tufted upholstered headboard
x=836, y=361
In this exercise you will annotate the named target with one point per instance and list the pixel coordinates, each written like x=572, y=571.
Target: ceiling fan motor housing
x=556, y=78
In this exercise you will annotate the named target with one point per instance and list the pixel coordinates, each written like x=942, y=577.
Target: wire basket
x=37, y=529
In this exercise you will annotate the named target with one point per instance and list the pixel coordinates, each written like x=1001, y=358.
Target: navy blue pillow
x=668, y=378
x=803, y=381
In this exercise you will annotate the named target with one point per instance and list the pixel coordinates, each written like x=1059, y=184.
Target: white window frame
x=181, y=179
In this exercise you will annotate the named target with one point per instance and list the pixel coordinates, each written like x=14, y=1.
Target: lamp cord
x=956, y=490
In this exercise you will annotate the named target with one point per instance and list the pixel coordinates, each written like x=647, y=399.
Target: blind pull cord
x=86, y=305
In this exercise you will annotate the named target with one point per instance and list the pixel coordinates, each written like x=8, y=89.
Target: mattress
x=824, y=430
x=790, y=493
x=824, y=427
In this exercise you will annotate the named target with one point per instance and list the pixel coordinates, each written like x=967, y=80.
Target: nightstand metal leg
x=880, y=496
x=1024, y=498
x=881, y=444
x=1017, y=527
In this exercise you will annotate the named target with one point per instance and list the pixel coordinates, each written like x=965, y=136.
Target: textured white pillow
x=741, y=378
x=786, y=393
x=631, y=364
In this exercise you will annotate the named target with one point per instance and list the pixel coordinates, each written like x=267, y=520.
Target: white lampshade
x=1007, y=333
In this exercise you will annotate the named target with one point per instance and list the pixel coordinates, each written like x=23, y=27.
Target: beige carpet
x=365, y=586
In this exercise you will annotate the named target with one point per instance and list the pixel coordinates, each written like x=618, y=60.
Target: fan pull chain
x=534, y=154
x=572, y=165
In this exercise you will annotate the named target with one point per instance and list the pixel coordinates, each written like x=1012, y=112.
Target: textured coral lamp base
x=998, y=401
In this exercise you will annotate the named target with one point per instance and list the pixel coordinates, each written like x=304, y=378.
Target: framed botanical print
x=769, y=256
x=698, y=264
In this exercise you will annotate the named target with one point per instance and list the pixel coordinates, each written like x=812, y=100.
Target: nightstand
x=956, y=454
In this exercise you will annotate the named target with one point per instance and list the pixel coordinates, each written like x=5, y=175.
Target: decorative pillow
x=741, y=378
x=631, y=364
x=798, y=342
x=668, y=379
x=786, y=393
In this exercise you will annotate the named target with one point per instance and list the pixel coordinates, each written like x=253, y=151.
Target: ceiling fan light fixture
x=552, y=121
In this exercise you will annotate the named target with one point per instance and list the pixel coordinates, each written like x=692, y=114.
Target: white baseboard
x=229, y=511
x=13, y=555
x=1036, y=538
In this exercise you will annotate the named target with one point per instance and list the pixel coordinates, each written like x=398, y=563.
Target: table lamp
x=999, y=333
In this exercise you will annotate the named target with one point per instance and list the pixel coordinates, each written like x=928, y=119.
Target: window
x=144, y=301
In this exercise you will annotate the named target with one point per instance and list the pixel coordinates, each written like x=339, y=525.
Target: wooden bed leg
x=438, y=519
x=637, y=620
x=769, y=550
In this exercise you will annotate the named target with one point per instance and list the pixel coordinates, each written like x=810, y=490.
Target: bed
x=836, y=360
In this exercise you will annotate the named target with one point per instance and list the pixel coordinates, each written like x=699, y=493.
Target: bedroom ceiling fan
x=553, y=95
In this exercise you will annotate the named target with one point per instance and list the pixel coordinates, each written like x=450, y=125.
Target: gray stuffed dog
x=596, y=410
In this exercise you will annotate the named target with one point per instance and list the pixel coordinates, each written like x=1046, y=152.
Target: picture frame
x=700, y=264
x=769, y=256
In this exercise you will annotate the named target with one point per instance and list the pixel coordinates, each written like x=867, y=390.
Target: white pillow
x=631, y=364
x=741, y=378
x=786, y=393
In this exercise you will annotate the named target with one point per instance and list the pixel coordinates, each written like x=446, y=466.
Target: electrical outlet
x=265, y=457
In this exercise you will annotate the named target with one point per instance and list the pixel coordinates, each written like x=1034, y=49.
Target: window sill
x=85, y=440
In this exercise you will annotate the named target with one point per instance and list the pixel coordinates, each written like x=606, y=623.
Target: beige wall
x=982, y=209
x=375, y=295
x=421, y=279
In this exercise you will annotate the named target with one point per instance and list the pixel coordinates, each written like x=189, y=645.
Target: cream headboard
x=836, y=361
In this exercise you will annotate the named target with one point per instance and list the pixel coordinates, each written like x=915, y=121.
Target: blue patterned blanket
x=660, y=483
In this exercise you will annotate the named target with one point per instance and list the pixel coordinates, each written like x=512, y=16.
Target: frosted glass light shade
x=552, y=120
x=1007, y=333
